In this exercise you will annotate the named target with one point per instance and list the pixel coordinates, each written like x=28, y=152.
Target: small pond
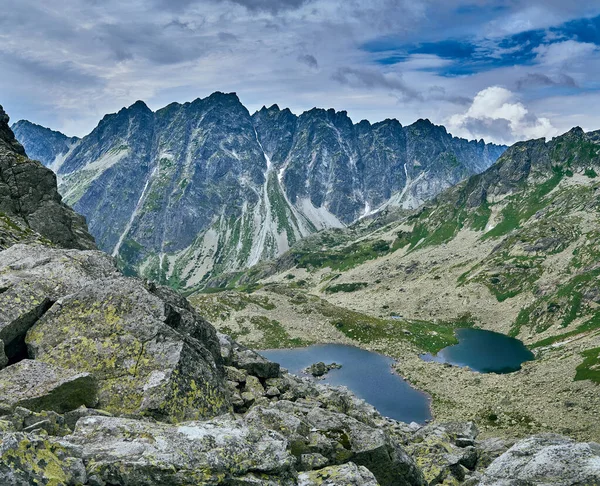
x=369, y=376
x=484, y=351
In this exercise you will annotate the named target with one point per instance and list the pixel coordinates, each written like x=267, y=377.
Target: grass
x=590, y=368
x=590, y=325
x=274, y=335
x=345, y=258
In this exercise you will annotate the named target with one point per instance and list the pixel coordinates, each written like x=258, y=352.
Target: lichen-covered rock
x=33, y=277
x=338, y=438
x=121, y=333
x=344, y=475
x=25, y=420
x=220, y=451
x=320, y=369
x=41, y=386
x=27, y=459
x=546, y=459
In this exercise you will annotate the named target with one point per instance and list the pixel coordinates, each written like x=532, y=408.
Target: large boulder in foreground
x=345, y=475
x=127, y=337
x=546, y=459
x=220, y=451
x=40, y=386
x=33, y=277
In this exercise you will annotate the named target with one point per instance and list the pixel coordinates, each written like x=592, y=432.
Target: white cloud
x=566, y=52
x=497, y=116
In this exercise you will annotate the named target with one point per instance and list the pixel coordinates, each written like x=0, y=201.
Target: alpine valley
x=195, y=190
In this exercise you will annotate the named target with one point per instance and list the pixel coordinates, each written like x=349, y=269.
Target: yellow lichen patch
x=37, y=461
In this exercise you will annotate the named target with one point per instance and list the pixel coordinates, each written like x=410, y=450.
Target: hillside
x=194, y=190
x=513, y=250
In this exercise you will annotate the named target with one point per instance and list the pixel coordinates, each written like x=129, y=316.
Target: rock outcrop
x=30, y=205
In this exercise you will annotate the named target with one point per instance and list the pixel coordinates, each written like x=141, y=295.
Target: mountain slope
x=513, y=249
x=48, y=146
x=198, y=189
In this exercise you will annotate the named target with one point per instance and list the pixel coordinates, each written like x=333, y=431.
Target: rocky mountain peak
x=30, y=206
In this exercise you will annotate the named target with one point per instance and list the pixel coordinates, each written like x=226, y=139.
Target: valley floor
x=541, y=397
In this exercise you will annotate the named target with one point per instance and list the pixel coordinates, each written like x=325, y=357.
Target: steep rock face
x=29, y=201
x=197, y=189
x=48, y=146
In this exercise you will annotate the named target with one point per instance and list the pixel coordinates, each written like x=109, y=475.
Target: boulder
x=127, y=337
x=240, y=357
x=321, y=369
x=41, y=386
x=546, y=459
x=33, y=277
x=27, y=459
x=344, y=475
x=219, y=451
x=339, y=439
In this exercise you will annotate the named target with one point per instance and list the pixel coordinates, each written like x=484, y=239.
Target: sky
x=501, y=70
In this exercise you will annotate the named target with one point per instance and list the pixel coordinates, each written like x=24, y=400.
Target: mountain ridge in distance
x=197, y=189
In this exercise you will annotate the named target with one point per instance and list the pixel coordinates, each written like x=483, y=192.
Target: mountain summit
x=196, y=189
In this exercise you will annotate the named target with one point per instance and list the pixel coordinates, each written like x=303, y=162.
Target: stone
x=546, y=459
x=340, y=439
x=73, y=416
x=126, y=336
x=41, y=386
x=235, y=374
x=27, y=458
x=344, y=475
x=240, y=357
x=320, y=369
x=219, y=451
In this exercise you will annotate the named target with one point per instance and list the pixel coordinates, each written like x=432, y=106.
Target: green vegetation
x=344, y=258
x=274, y=335
x=346, y=287
x=590, y=368
x=522, y=206
x=591, y=173
x=590, y=325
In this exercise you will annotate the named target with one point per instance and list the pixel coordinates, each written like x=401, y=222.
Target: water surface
x=369, y=375
x=484, y=351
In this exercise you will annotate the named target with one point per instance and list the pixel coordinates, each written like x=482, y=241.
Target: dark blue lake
x=369, y=376
x=484, y=351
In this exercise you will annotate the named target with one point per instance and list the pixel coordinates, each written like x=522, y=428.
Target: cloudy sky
x=502, y=70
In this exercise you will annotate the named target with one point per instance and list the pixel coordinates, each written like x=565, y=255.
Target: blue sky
x=502, y=70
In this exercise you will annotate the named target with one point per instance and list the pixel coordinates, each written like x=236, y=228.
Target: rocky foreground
x=107, y=380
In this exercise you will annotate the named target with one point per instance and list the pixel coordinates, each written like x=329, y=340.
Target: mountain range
x=199, y=189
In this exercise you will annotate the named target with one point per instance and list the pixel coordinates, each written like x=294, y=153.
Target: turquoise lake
x=369, y=375
x=484, y=351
